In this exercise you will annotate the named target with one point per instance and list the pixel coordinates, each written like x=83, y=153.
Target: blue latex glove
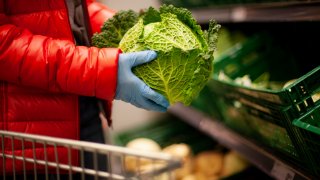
x=133, y=90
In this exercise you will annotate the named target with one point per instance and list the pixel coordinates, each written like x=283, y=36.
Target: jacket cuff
x=107, y=74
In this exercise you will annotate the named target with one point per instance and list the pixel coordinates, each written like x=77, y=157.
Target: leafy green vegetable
x=113, y=30
x=185, y=52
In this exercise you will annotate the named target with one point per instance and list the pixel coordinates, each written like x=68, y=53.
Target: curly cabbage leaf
x=114, y=29
x=185, y=52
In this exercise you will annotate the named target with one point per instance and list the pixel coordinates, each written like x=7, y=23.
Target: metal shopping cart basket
x=69, y=162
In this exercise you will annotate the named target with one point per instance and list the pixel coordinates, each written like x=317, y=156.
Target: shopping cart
x=148, y=165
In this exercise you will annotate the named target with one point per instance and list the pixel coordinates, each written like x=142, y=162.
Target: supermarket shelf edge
x=265, y=12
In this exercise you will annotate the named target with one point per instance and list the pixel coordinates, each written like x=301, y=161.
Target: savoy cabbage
x=185, y=52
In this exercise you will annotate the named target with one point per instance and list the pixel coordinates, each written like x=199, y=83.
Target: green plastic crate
x=266, y=115
x=309, y=127
x=310, y=121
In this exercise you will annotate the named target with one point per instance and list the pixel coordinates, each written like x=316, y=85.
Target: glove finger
x=142, y=57
x=150, y=105
x=152, y=95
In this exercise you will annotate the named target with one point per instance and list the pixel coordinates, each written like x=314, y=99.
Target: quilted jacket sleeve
x=98, y=14
x=57, y=65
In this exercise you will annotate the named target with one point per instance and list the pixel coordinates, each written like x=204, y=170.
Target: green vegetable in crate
x=185, y=52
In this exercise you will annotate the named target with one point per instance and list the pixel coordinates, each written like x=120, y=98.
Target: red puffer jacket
x=42, y=72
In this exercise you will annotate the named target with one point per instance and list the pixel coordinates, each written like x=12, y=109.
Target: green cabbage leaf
x=185, y=52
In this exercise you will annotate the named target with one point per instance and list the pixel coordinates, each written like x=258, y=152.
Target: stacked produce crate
x=250, y=93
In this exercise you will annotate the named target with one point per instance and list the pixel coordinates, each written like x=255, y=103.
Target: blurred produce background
x=265, y=87
x=202, y=157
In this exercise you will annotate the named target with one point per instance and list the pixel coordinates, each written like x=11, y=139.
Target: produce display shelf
x=291, y=11
x=263, y=159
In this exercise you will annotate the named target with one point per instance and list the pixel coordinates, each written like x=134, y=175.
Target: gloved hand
x=132, y=89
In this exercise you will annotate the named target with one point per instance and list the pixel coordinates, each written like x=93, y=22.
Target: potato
x=209, y=163
x=181, y=150
x=233, y=163
x=184, y=152
x=151, y=167
x=144, y=144
x=132, y=163
x=199, y=176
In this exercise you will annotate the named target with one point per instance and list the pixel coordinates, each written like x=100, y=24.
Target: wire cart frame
x=158, y=166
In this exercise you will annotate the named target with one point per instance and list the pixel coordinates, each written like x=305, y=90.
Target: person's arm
x=57, y=65
x=130, y=88
x=98, y=14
